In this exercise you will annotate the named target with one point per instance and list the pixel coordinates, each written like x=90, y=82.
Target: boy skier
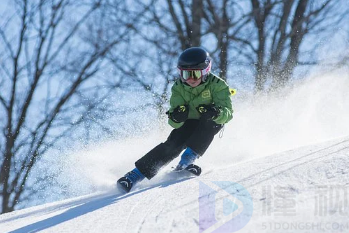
x=200, y=105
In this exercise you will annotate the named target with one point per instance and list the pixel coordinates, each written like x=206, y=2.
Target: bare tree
x=164, y=30
x=49, y=82
x=280, y=28
x=186, y=18
x=178, y=25
x=224, y=19
x=269, y=36
x=186, y=25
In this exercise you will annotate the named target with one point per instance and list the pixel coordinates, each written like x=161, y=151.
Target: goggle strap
x=207, y=70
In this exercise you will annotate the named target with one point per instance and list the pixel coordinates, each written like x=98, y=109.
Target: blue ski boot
x=130, y=179
x=188, y=157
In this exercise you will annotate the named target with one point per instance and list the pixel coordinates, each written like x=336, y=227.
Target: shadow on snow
x=87, y=206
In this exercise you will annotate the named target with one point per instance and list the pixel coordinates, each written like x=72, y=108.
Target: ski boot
x=188, y=157
x=126, y=182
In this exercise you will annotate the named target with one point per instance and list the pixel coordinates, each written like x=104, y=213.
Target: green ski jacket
x=215, y=90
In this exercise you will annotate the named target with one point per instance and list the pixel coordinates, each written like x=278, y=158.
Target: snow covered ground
x=301, y=190
x=281, y=166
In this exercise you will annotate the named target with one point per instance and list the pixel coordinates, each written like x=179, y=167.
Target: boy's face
x=193, y=82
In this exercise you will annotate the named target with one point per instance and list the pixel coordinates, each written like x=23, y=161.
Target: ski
x=124, y=185
x=192, y=168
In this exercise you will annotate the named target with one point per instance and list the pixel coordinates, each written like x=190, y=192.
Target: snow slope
x=300, y=190
x=288, y=153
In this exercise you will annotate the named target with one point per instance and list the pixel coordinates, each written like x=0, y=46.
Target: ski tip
x=194, y=169
x=124, y=185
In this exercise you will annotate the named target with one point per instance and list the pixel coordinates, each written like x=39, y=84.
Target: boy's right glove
x=208, y=112
x=179, y=114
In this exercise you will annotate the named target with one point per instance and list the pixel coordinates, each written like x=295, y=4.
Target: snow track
x=173, y=205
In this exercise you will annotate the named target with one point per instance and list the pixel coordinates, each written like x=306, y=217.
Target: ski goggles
x=194, y=74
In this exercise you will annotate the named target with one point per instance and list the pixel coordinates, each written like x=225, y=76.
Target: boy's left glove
x=208, y=112
x=179, y=114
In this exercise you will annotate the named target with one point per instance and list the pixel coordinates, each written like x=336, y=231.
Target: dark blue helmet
x=194, y=58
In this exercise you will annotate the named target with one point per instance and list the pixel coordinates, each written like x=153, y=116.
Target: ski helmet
x=194, y=62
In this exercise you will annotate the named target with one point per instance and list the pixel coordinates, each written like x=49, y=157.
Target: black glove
x=179, y=114
x=208, y=112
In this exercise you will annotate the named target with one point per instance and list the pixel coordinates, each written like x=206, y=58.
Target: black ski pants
x=196, y=134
